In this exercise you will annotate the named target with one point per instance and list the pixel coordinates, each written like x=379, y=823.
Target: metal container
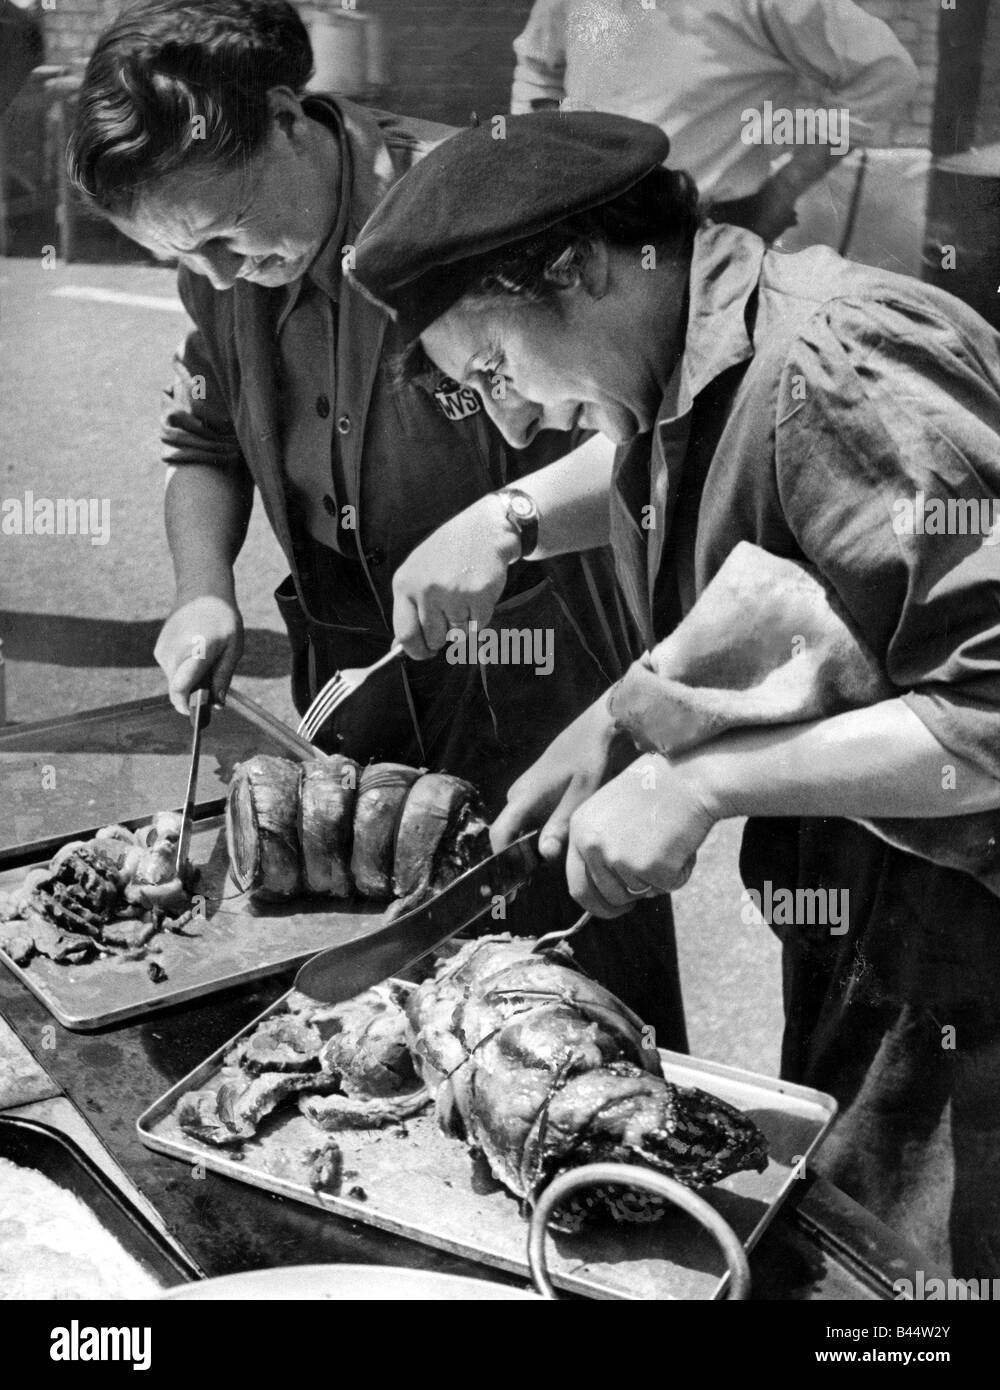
x=30, y=1144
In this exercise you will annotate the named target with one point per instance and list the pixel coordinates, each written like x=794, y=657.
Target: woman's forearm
x=877, y=762
x=207, y=511
x=573, y=498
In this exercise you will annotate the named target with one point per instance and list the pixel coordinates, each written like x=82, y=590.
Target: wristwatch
x=522, y=515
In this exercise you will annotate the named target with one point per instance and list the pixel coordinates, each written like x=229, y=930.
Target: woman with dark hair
x=196, y=138
x=804, y=514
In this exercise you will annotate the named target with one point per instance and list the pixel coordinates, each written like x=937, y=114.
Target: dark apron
x=899, y=1019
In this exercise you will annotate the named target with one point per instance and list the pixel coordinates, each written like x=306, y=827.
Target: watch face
x=522, y=506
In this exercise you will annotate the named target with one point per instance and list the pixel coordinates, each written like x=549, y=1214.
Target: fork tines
x=333, y=694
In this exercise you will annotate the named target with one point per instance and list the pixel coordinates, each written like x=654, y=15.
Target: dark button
x=376, y=557
x=322, y=406
x=330, y=505
x=344, y=424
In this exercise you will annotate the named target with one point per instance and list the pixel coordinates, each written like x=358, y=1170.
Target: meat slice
x=236, y=1109
x=262, y=827
x=281, y=1043
x=17, y=940
x=368, y=1051
x=381, y=797
x=348, y=1061
x=80, y=891
x=48, y=939
x=335, y=1112
x=327, y=796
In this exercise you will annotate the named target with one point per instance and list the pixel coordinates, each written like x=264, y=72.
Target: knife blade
x=344, y=971
x=200, y=710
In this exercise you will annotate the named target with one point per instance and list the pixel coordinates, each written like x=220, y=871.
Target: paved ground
x=81, y=374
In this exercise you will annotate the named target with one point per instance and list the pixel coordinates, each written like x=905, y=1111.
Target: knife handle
x=200, y=708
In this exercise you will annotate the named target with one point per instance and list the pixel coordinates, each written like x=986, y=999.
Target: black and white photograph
x=500, y=666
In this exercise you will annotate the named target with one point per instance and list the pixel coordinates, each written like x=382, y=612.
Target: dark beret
x=489, y=187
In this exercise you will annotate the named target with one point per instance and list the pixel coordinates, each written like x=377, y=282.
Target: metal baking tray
x=419, y=1184
x=33, y=1145
x=65, y=778
x=236, y=941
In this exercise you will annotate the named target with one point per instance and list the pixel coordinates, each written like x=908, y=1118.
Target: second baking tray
x=236, y=941
x=30, y=1144
x=414, y=1181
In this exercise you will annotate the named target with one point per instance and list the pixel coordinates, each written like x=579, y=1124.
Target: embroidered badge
x=456, y=402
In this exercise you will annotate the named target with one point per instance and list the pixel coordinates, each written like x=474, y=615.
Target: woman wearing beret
x=195, y=137
x=820, y=657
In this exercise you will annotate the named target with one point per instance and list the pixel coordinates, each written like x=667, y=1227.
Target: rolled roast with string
x=327, y=827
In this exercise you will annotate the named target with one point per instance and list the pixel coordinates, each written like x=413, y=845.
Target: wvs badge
x=456, y=401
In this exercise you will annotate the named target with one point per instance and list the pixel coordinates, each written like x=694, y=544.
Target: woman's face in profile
x=263, y=221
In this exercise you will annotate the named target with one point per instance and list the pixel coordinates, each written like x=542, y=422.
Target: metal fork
x=553, y=938
x=338, y=688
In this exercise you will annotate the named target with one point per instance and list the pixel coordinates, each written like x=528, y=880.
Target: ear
x=285, y=110
x=586, y=265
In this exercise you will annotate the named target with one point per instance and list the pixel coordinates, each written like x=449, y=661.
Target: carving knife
x=200, y=708
x=344, y=971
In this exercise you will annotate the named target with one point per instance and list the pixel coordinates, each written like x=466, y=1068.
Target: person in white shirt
x=736, y=84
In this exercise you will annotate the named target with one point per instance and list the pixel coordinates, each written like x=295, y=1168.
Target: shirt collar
x=725, y=269
x=326, y=270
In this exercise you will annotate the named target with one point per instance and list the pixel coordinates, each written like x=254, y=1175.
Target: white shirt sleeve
x=541, y=57
x=854, y=58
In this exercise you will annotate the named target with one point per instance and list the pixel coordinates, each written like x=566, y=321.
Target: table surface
x=821, y=1246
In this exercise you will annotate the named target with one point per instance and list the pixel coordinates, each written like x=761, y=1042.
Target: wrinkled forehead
x=473, y=329
x=189, y=206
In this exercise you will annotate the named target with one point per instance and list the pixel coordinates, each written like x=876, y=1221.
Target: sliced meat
x=281, y=1043
x=234, y=1111
x=16, y=940
x=327, y=798
x=334, y=1112
x=129, y=932
x=368, y=1052
x=430, y=812
x=382, y=795
x=262, y=827
x=81, y=890
x=64, y=947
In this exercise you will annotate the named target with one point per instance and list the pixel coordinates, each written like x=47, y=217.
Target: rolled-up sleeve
x=196, y=425
x=850, y=56
x=541, y=57
x=887, y=454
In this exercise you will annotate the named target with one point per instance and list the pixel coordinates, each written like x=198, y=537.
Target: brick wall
x=988, y=123
x=448, y=58
x=914, y=22
x=71, y=26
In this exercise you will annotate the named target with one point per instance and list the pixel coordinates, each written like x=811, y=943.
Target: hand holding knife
x=200, y=712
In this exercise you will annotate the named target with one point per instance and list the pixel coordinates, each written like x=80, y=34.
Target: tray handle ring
x=625, y=1175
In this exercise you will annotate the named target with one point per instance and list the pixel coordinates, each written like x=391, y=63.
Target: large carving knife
x=200, y=707
x=344, y=971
